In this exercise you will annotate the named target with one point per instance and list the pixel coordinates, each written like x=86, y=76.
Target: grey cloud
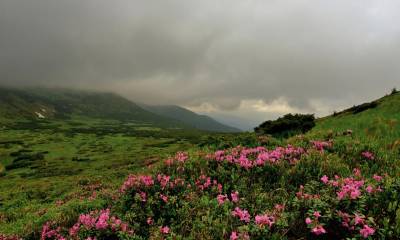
x=191, y=52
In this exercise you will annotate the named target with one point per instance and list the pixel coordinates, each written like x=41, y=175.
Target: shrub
x=287, y=125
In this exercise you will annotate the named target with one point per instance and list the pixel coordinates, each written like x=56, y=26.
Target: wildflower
x=103, y=218
x=280, y=207
x=369, y=189
x=164, y=230
x=358, y=220
x=235, y=197
x=377, y=178
x=164, y=180
x=164, y=198
x=149, y=221
x=368, y=155
x=243, y=215
x=221, y=199
x=317, y=214
x=325, y=179
x=234, y=236
x=74, y=229
x=219, y=187
x=357, y=172
x=367, y=231
x=318, y=230
x=147, y=180
x=308, y=221
x=265, y=219
x=143, y=196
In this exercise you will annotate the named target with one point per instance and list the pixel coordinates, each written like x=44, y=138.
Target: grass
x=69, y=161
x=75, y=152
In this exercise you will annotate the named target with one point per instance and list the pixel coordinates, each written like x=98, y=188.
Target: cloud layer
x=229, y=55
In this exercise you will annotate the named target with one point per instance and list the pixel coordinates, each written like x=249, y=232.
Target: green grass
x=382, y=122
x=77, y=153
x=84, y=155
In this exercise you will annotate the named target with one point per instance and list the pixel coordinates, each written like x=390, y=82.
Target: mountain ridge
x=37, y=103
x=199, y=121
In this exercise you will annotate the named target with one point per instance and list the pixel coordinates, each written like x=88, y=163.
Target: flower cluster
x=313, y=222
x=352, y=187
x=224, y=198
x=248, y=158
x=322, y=145
x=243, y=215
x=368, y=155
x=356, y=222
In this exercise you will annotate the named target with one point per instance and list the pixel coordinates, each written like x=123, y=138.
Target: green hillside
x=190, y=118
x=55, y=174
x=378, y=120
x=64, y=104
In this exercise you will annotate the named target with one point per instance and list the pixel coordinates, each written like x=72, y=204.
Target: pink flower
x=234, y=236
x=147, y=180
x=219, y=187
x=318, y=230
x=280, y=207
x=263, y=220
x=308, y=221
x=358, y=220
x=149, y=221
x=143, y=196
x=87, y=220
x=75, y=229
x=164, y=198
x=181, y=156
x=317, y=214
x=235, y=197
x=367, y=231
x=377, y=178
x=164, y=180
x=325, y=179
x=243, y=215
x=221, y=199
x=368, y=155
x=369, y=189
x=357, y=172
x=355, y=194
x=103, y=218
x=164, y=230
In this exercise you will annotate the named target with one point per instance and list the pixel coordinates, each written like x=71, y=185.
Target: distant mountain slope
x=190, y=118
x=44, y=103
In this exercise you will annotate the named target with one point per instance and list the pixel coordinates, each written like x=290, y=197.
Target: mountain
x=46, y=103
x=56, y=103
x=190, y=118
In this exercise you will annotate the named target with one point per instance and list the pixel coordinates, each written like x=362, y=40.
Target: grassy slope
x=380, y=125
x=28, y=198
x=66, y=104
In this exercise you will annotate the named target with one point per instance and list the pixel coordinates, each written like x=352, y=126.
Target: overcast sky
x=233, y=59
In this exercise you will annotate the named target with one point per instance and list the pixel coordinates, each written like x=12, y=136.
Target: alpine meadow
x=176, y=120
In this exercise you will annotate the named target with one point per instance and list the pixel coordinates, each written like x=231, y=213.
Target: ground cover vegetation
x=340, y=180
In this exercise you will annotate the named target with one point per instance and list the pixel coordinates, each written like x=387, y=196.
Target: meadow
x=123, y=181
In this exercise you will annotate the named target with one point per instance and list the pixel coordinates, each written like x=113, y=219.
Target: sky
x=240, y=61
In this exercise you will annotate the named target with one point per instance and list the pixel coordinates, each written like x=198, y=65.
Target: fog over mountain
x=250, y=60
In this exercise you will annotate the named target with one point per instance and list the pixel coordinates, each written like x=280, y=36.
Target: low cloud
x=268, y=56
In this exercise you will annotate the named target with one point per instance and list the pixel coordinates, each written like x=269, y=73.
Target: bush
x=287, y=126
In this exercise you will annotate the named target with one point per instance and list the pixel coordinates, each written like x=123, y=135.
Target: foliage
x=338, y=181
x=287, y=126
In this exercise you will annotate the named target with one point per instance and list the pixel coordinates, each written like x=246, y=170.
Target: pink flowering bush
x=303, y=191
